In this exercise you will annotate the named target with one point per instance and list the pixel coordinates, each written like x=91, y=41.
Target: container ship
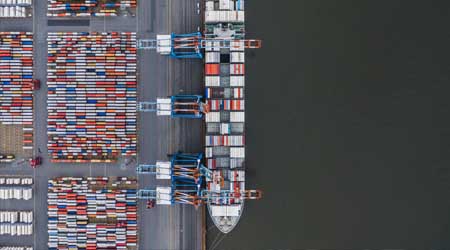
x=225, y=123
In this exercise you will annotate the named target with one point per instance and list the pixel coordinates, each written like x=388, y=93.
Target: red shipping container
x=212, y=69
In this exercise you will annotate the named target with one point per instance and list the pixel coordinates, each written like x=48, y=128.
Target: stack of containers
x=16, y=180
x=92, y=213
x=224, y=92
x=16, y=188
x=16, y=216
x=76, y=8
x=15, y=8
x=16, y=223
x=17, y=193
x=91, y=96
x=63, y=8
x=16, y=77
x=111, y=8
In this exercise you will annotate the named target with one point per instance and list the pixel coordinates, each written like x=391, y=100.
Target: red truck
x=35, y=162
x=36, y=84
x=150, y=204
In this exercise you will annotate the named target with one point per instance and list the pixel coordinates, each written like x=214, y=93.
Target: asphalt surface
x=177, y=227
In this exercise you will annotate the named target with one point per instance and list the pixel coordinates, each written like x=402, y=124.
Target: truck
x=36, y=84
x=35, y=162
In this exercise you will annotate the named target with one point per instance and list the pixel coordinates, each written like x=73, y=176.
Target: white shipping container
x=237, y=57
x=237, y=81
x=237, y=116
x=212, y=117
x=212, y=57
x=212, y=81
x=237, y=152
x=224, y=5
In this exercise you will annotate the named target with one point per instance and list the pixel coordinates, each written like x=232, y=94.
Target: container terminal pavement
x=72, y=141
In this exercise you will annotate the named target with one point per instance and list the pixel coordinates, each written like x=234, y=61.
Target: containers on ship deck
x=220, y=104
x=224, y=93
x=224, y=128
x=92, y=95
x=92, y=213
x=224, y=140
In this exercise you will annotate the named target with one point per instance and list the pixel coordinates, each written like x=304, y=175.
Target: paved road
x=178, y=227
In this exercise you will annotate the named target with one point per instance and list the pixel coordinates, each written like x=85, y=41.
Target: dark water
x=348, y=126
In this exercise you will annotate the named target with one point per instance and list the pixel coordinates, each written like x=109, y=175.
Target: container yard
x=15, y=8
x=16, y=94
x=87, y=8
x=91, y=96
x=92, y=213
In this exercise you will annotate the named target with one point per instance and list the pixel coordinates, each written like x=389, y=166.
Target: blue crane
x=178, y=106
x=188, y=177
x=191, y=45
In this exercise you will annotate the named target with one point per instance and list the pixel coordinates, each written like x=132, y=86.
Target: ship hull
x=225, y=223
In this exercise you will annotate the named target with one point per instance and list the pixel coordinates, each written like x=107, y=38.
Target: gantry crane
x=188, y=177
x=191, y=45
x=186, y=174
x=184, y=106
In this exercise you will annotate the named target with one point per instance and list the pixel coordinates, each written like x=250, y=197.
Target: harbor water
x=348, y=126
